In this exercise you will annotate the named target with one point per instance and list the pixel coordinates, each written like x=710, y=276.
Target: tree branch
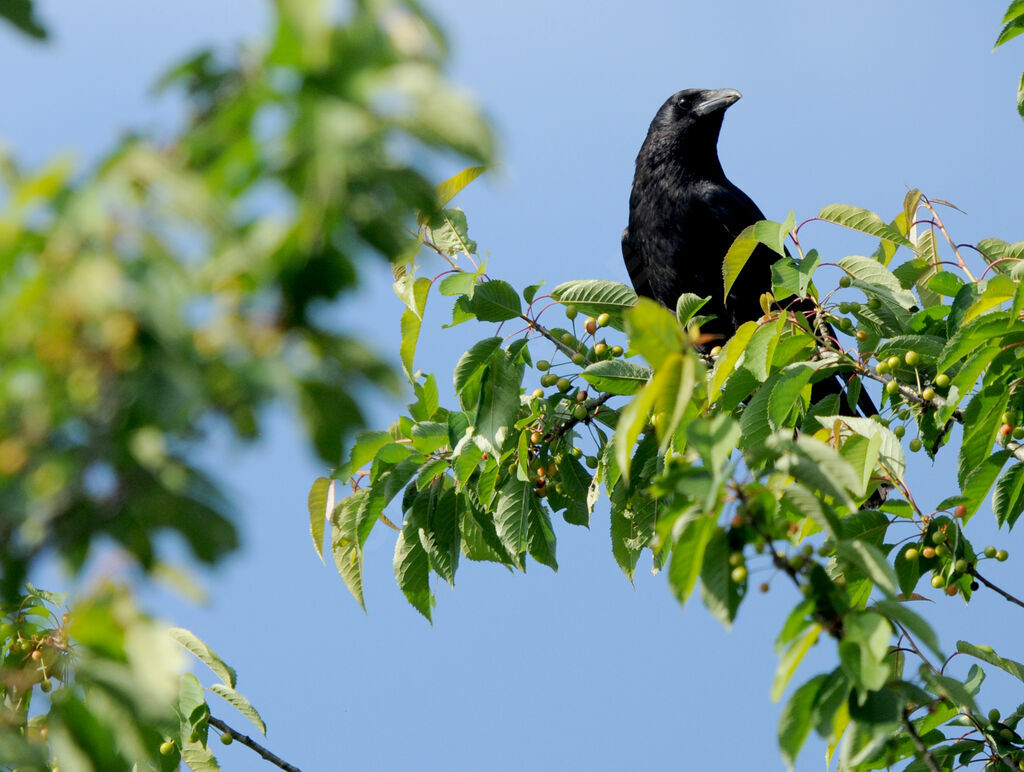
x=250, y=743
x=973, y=572
x=922, y=750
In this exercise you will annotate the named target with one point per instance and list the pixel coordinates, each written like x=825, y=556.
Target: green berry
x=543, y=365
x=739, y=574
x=1008, y=418
x=1018, y=432
x=600, y=348
x=548, y=379
x=942, y=380
x=928, y=394
x=899, y=431
x=563, y=385
x=166, y=748
x=1002, y=556
x=912, y=358
x=904, y=413
x=736, y=559
x=874, y=303
x=47, y=684
x=994, y=716
x=617, y=351
x=938, y=581
x=226, y=738
x=990, y=551
x=579, y=412
x=845, y=324
x=571, y=311
x=893, y=362
x=960, y=565
x=911, y=554
x=883, y=368
x=938, y=537
x=892, y=387
x=941, y=551
x=603, y=320
x=915, y=445
x=845, y=281
x=591, y=462
x=578, y=359
x=861, y=335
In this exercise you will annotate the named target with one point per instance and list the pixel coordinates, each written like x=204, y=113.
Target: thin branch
x=974, y=572
x=922, y=750
x=250, y=743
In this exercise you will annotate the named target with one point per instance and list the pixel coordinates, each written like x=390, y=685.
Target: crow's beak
x=716, y=100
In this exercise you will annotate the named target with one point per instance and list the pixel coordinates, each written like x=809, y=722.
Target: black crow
x=684, y=214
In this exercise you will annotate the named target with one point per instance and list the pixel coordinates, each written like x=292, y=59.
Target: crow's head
x=691, y=119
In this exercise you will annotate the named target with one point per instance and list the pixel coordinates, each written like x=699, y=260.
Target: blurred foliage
x=182, y=287
x=1013, y=25
x=179, y=287
x=723, y=466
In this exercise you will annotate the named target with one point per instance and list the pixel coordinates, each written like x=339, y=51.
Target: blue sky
x=850, y=103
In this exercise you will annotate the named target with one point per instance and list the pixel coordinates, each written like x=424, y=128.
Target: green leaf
x=864, y=649
x=466, y=458
x=473, y=361
x=862, y=220
x=871, y=563
x=449, y=232
x=688, y=554
x=899, y=613
x=714, y=438
x=771, y=234
x=653, y=332
x=21, y=14
x=541, y=538
x=204, y=654
x=791, y=659
x=987, y=654
x=1013, y=11
x=597, y=296
x=718, y=591
x=351, y=523
x=498, y=404
x=458, y=283
x=876, y=275
x=687, y=306
x=496, y=301
x=412, y=566
x=1008, y=499
x=728, y=357
x=795, y=720
x=982, y=420
x=1012, y=29
x=945, y=283
x=633, y=420
x=437, y=511
x=890, y=453
x=951, y=688
x=966, y=339
x=241, y=704
x=616, y=376
x=317, y=503
x=760, y=351
x=862, y=454
x=515, y=510
x=412, y=320
x=448, y=189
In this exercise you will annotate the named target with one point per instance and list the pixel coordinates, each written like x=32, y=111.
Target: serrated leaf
x=448, y=189
x=988, y=654
x=771, y=234
x=204, y=654
x=498, y=403
x=1008, y=498
x=791, y=659
x=898, y=612
x=473, y=361
x=318, y=509
x=687, y=306
x=982, y=420
x=351, y=522
x=653, y=331
x=412, y=567
x=516, y=502
x=411, y=322
x=862, y=220
x=616, y=376
x=890, y=453
x=241, y=704
x=458, y=283
x=688, y=555
x=864, y=649
x=719, y=593
x=795, y=719
x=873, y=273
x=449, y=232
x=632, y=420
x=496, y=301
x=597, y=296
x=1010, y=30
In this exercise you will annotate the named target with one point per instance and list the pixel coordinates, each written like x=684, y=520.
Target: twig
x=922, y=750
x=250, y=743
x=973, y=572
x=535, y=325
x=565, y=426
